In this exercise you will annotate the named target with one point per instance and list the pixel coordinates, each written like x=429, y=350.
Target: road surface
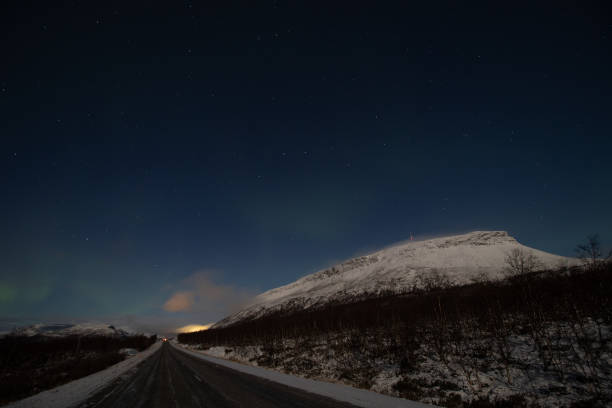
x=171, y=378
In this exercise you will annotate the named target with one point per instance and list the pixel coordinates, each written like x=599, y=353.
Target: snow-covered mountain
x=81, y=329
x=461, y=258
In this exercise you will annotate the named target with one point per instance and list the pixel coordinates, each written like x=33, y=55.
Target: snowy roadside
x=79, y=390
x=339, y=392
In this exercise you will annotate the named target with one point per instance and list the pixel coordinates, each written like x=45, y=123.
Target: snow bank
x=339, y=392
x=79, y=390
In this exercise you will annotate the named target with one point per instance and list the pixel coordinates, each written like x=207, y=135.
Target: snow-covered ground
x=340, y=392
x=79, y=390
x=473, y=368
x=459, y=258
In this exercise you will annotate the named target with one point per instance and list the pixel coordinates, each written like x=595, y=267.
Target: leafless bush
x=592, y=254
x=501, y=325
x=439, y=334
x=588, y=342
x=467, y=352
x=520, y=262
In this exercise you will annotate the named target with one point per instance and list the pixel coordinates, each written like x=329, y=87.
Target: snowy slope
x=459, y=257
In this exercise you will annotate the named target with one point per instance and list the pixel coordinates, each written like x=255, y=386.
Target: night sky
x=163, y=162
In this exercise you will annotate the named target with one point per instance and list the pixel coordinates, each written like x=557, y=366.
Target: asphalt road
x=171, y=378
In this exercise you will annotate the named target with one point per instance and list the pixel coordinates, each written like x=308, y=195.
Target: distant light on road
x=193, y=328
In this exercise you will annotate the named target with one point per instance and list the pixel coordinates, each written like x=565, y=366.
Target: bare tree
x=520, y=262
x=591, y=253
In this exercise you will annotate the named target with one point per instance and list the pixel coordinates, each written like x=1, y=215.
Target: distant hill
x=69, y=329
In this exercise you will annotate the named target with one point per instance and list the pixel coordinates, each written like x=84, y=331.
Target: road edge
x=339, y=392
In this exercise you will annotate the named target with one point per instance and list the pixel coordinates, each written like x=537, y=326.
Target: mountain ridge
x=460, y=258
x=70, y=329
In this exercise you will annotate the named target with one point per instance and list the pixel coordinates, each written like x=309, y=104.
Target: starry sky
x=164, y=161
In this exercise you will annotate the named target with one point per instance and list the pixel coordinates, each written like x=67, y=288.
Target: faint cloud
x=189, y=304
x=198, y=293
x=180, y=302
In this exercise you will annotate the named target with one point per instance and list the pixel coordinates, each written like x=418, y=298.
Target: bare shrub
x=521, y=262
x=591, y=253
x=501, y=325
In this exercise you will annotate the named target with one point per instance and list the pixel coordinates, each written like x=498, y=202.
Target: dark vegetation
x=31, y=364
x=563, y=316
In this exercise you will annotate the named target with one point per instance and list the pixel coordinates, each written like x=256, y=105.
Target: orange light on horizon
x=193, y=328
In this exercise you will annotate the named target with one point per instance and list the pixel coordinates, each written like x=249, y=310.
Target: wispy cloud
x=198, y=293
x=180, y=302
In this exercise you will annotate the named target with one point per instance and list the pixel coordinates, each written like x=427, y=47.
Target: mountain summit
x=460, y=258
